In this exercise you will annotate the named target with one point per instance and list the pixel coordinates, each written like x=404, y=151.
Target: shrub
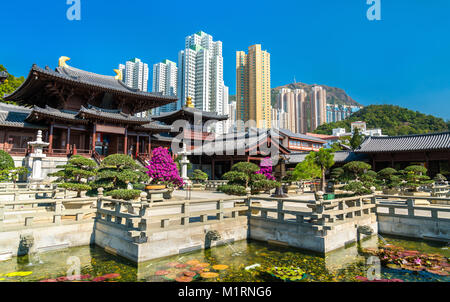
x=199, y=175
x=162, y=168
x=233, y=190
x=266, y=168
x=357, y=168
x=415, y=176
x=388, y=177
x=245, y=167
x=124, y=194
x=76, y=173
x=6, y=161
x=358, y=188
x=264, y=185
x=116, y=171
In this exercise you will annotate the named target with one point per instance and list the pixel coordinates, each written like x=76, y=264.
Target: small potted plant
x=162, y=171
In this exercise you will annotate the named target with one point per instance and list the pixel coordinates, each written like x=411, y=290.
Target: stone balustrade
x=212, y=185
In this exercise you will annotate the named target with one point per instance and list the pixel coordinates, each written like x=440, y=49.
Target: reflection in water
x=224, y=263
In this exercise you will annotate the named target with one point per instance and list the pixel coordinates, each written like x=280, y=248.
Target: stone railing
x=44, y=212
x=212, y=185
x=402, y=206
x=38, y=194
x=141, y=216
x=320, y=215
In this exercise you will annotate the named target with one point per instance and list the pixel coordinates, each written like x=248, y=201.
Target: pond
x=243, y=261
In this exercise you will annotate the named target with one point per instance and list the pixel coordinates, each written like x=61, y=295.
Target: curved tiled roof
x=111, y=115
x=406, y=143
x=93, y=80
x=301, y=136
x=339, y=157
x=53, y=112
x=193, y=112
x=15, y=116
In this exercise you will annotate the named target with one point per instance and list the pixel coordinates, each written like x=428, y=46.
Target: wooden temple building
x=81, y=113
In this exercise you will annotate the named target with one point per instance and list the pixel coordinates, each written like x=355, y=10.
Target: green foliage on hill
x=11, y=84
x=392, y=119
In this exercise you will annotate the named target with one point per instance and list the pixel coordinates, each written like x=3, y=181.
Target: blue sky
x=403, y=59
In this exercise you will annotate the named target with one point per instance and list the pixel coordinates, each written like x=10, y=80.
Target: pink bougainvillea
x=162, y=168
x=266, y=168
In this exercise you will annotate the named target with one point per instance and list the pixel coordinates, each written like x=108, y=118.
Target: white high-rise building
x=165, y=77
x=200, y=75
x=318, y=107
x=135, y=74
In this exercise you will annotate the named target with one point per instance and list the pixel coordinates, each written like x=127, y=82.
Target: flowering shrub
x=266, y=168
x=162, y=168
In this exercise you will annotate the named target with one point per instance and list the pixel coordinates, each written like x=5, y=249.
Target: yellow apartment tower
x=253, y=86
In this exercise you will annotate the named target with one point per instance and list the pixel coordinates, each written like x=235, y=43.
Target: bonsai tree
x=242, y=176
x=163, y=170
x=337, y=173
x=199, y=175
x=16, y=173
x=76, y=173
x=266, y=168
x=439, y=178
x=415, y=176
x=356, y=169
x=116, y=172
x=388, y=178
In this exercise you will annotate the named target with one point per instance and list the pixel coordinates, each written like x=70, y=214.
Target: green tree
x=199, y=175
x=415, y=176
x=117, y=171
x=356, y=169
x=76, y=173
x=389, y=178
x=356, y=139
x=324, y=159
x=307, y=169
x=11, y=84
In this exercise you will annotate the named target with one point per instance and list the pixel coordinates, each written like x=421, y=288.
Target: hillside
x=334, y=95
x=393, y=120
x=10, y=85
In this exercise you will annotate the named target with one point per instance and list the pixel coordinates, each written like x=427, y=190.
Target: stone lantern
x=184, y=164
x=37, y=156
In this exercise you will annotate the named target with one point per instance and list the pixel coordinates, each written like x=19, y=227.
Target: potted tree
x=162, y=171
x=390, y=181
x=199, y=178
x=117, y=174
x=74, y=176
x=414, y=177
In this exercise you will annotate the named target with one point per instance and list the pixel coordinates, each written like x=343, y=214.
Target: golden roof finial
x=189, y=102
x=62, y=61
x=119, y=75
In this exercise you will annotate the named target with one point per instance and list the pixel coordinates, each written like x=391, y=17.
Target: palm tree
x=324, y=158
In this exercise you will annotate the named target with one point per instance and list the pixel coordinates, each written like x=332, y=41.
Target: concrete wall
x=164, y=243
x=415, y=227
x=49, y=164
x=305, y=237
x=49, y=237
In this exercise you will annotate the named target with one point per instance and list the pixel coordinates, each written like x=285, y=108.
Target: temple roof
x=39, y=78
x=15, y=116
x=239, y=143
x=84, y=115
x=192, y=113
x=406, y=143
x=291, y=134
x=339, y=157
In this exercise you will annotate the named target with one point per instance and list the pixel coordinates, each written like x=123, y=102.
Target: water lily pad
x=99, y=279
x=172, y=264
x=183, y=279
x=161, y=273
x=192, y=262
x=220, y=267
x=189, y=274
x=203, y=265
x=181, y=265
x=111, y=276
x=170, y=276
x=209, y=275
x=18, y=274
x=196, y=268
x=361, y=278
x=49, y=280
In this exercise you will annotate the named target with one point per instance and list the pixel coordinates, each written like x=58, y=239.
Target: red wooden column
x=213, y=168
x=94, y=138
x=137, y=145
x=50, y=139
x=125, y=143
